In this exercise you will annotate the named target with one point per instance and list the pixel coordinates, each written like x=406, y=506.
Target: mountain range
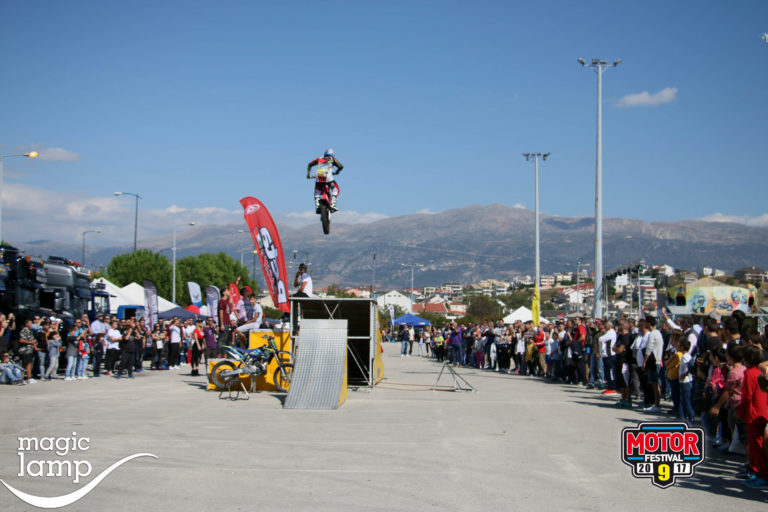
x=463, y=245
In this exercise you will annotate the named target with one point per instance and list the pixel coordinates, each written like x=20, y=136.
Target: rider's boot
x=333, y=204
x=317, y=205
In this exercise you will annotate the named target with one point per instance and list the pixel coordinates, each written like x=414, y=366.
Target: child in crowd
x=10, y=373
x=673, y=369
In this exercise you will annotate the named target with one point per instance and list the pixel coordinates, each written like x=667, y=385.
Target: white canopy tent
x=117, y=296
x=522, y=314
x=135, y=293
x=130, y=295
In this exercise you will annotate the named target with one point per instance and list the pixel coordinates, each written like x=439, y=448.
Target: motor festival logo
x=662, y=452
x=59, y=457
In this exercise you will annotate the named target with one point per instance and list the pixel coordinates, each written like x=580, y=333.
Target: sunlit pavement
x=518, y=443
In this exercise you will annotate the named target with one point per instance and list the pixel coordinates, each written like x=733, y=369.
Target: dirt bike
x=324, y=207
x=253, y=363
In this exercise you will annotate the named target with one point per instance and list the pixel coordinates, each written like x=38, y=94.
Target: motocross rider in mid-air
x=325, y=173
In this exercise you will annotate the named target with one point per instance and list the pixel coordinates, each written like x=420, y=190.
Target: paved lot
x=518, y=443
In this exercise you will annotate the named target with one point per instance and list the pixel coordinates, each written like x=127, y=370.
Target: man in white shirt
x=654, y=347
x=252, y=323
x=113, y=338
x=98, y=326
x=303, y=281
x=608, y=356
x=174, y=344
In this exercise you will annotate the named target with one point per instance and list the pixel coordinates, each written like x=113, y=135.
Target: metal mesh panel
x=319, y=366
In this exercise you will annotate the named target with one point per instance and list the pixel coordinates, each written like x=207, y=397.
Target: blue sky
x=429, y=106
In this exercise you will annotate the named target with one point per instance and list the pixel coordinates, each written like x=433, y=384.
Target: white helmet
x=329, y=153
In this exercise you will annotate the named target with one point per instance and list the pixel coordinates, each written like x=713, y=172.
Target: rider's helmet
x=329, y=153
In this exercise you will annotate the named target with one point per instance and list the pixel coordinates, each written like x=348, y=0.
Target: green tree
x=206, y=269
x=516, y=299
x=136, y=266
x=435, y=319
x=484, y=308
x=335, y=291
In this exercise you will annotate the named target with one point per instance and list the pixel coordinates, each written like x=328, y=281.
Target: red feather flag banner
x=267, y=243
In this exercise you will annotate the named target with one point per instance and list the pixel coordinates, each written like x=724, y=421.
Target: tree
x=210, y=269
x=516, y=299
x=484, y=308
x=206, y=269
x=136, y=266
x=435, y=319
x=335, y=291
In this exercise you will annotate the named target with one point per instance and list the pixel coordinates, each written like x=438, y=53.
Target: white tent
x=522, y=314
x=117, y=296
x=135, y=293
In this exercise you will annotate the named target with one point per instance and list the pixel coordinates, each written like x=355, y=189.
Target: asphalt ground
x=518, y=443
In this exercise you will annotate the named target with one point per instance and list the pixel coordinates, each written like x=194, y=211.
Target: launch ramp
x=319, y=378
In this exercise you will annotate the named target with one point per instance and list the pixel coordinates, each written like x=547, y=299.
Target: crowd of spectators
x=43, y=350
x=707, y=371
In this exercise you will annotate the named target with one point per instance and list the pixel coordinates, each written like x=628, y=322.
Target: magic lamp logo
x=662, y=452
x=59, y=457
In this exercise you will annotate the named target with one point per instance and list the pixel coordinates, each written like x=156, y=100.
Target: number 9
x=664, y=472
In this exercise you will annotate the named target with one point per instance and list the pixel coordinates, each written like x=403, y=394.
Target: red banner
x=267, y=242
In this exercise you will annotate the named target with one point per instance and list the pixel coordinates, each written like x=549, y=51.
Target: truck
x=69, y=293
x=22, y=283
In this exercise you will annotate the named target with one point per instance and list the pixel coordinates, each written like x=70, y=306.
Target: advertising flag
x=212, y=296
x=535, y=306
x=150, y=303
x=267, y=242
x=195, y=295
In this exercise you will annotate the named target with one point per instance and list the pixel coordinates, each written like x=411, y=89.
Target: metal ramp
x=319, y=379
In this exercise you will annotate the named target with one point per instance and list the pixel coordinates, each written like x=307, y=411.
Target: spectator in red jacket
x=754, y=411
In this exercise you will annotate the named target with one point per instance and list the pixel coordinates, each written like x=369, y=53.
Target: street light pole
x=412, y=265
x=373, y=274
x=599, y=66
x=173, y=277
x=83, y=234
x=535, y=157
x=31, y=154
x=135, y=214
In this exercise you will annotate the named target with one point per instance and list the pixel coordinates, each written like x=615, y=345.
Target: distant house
x=751, y=274
x=437, y=309
x=394, y=298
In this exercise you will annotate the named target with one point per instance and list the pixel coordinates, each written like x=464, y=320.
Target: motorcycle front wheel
x=215, y=376
x=282, y=377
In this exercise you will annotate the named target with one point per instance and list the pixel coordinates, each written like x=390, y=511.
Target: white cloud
x=55, y=154
x=758, y=221
x=426, y=211
x=645, y=99
x=33, y=213
x=519, y=206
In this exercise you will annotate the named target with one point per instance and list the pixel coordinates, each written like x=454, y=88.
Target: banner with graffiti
x=267, y=242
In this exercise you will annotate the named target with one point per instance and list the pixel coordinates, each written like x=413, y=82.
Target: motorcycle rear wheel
x=325, y=218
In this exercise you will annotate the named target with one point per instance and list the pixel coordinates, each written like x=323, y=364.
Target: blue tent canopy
x=181, y=313
x=409, y=319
